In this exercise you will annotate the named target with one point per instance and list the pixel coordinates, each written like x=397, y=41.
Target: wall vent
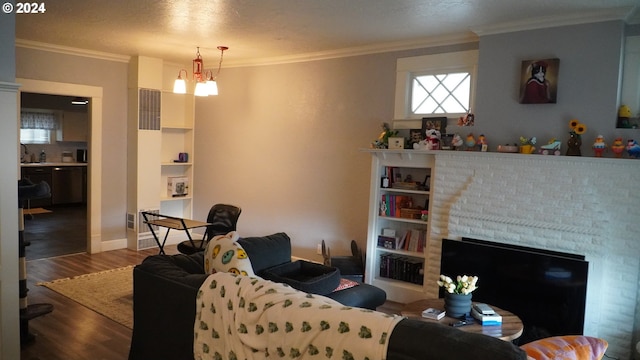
x=144, y=228
x=149, y=109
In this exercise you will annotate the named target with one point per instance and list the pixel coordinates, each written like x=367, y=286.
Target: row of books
x=390, y=204
x=398, y=267
x=412, y=240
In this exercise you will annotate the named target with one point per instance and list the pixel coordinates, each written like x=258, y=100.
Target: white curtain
x=38, y=120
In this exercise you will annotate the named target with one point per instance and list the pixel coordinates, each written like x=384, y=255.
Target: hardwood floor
x=60, y=232
x=72, y=331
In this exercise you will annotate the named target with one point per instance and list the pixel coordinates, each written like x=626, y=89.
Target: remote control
x=483, y=309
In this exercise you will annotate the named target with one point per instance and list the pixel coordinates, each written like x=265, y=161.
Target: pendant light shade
x=205, y=81
x=180, y=85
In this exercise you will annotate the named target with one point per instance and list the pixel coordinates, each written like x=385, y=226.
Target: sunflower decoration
x=575, y=139
x=576, y=127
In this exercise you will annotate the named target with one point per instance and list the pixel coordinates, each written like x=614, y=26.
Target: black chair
x=223, y=219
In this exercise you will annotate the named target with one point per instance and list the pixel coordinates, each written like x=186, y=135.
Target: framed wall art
x=438, y=123
x=539, y=81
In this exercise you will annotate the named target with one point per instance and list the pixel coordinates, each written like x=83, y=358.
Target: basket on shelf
x=410, y=213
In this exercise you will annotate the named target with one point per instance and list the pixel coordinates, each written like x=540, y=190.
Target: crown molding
x=67, y=50
x=621, y=13
x=452, y=39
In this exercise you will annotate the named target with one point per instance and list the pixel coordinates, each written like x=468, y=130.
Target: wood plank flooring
x=72, y=331
x=63, y=231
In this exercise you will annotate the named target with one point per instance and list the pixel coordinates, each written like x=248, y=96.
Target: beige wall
x=283, y=142
x=112, y=77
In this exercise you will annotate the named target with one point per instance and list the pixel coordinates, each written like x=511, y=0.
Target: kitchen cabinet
x=73, y=127
x=67, y=185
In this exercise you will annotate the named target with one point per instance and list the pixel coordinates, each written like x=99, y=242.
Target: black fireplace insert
x=546, y=289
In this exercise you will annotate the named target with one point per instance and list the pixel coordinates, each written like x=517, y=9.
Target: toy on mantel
x=575, y=137
x=624, y=117
x=617, y=147
x=552, y=147
x=457, y=142
x=599, y=146
x=383, y=139
x=470, y=142
x=633, y=148
x=482, y=143
x=431, y=141
x=466, y=120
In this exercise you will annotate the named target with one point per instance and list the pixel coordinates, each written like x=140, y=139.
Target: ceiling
x=269, y=31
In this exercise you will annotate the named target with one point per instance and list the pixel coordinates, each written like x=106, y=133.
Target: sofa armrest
x=163, y=309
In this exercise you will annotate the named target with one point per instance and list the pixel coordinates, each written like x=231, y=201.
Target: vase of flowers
x=457, y=294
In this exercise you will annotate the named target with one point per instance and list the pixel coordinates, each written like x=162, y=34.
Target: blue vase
x=457, y=305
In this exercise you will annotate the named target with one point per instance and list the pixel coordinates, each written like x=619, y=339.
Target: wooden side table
x=511, y=328
x=170, y=222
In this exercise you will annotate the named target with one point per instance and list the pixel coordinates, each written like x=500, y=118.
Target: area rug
x=109, y=292
x=35, y=211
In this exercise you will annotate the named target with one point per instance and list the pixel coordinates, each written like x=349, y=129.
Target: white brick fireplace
x=582, y=205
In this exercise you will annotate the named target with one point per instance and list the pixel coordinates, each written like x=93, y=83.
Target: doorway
x=53, y=136
x=94, y=147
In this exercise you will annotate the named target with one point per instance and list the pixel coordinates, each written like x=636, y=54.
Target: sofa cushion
x=267, y=251
x=224, y=253
x=571, y=347
x=304, y=276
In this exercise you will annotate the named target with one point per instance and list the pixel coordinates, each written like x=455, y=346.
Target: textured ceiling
x=259, y=31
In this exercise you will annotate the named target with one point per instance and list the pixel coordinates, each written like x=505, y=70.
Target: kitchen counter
x=53, y=164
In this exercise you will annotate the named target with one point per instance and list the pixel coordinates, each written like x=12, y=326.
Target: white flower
x=464, y=284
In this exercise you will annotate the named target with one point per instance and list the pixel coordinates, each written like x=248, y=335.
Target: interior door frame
x=94, y=146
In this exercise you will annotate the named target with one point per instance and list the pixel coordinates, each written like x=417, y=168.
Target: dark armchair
x=223, y=219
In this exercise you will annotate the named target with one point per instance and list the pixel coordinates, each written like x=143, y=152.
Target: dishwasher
x=68, y=185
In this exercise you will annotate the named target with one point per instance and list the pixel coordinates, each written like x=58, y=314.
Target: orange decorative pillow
x=571, y=347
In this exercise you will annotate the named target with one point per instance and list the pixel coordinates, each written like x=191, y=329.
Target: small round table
x=510, y=330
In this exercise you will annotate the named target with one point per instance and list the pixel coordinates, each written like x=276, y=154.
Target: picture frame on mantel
x=439, y=123
x=539, y=81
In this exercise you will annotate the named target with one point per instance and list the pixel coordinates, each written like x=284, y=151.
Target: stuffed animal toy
x=433, y=139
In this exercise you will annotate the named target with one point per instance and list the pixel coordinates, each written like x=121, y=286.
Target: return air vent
x=142, y=227
x=149, y=110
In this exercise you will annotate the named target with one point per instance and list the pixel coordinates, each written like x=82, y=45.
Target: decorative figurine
x=617, y=147
x=624, y=116
x=457, y=142
x=633, y=148
x=553, y=146
x=383, y=139
x=599, y=146
x=470, y=142
x=482, y=143
x=526, y=145
x=433, y=139
x=575, y=139
x=466, y=120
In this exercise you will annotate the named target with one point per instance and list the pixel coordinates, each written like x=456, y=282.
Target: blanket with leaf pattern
x=241, y=317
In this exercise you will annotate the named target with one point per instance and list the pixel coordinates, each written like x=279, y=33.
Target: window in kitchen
x=37, y=126
x=440, y=84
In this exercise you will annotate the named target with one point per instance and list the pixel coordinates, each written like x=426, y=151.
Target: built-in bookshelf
x=399, y=222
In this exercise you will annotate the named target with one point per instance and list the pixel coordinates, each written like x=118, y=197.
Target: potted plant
x=457, y=294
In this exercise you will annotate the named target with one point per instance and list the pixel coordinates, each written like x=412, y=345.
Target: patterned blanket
x=241, y=317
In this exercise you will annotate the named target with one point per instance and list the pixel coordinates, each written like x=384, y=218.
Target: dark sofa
x=165, y=288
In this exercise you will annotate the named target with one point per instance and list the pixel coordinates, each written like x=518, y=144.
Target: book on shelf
x=404, y=268
x=486, y=319
x=431, y=313
x=414, y=240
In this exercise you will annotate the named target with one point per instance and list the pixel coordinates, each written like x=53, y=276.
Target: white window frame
x=408, y=68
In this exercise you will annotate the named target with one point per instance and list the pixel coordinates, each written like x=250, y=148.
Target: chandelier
x=205, y=80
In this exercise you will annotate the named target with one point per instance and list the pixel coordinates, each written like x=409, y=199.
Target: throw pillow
x=224, y=253
x=571, y=347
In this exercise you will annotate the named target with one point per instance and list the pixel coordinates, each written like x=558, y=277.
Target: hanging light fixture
x=205, y=80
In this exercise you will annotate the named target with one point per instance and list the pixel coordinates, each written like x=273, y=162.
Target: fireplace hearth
x=546, y=289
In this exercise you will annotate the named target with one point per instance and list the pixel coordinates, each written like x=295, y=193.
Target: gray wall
x=112, y=77
x=590, y=61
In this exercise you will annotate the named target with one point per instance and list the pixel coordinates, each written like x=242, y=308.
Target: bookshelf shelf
x=396, y=240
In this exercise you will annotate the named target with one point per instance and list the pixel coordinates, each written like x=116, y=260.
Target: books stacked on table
x=485, y=315
x=432, y=313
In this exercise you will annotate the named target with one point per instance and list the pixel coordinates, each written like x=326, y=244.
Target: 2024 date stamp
x=24, y=8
